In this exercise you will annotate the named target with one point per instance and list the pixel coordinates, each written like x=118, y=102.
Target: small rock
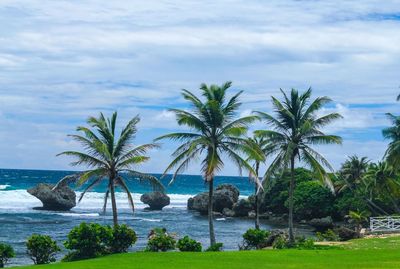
x=252, y=214
x=228, y=212
x=322, y=223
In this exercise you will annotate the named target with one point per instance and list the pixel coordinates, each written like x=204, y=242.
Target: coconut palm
x=296, y=128
x=385, y=181
x=358, y=218
x=110, y=157
x=392, y=133
x=214, y=132
x=351, y=176
x=260, y=145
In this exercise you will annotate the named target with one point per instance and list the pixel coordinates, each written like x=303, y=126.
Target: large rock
x=345, y=233
x=242, y=208
x=62, y=198
x=156, y=200
x=225, y=196
x=322, y=223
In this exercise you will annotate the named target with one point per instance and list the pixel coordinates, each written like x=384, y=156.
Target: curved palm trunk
x=392, y=200
x=291, y=191
x=113, y=201
x=210, y=212
x=257, y=207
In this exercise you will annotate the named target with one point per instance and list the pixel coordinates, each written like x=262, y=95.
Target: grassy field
x=364, y=253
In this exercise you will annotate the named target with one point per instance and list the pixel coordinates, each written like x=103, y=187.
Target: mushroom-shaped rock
x=62, y=198
x=156, y=200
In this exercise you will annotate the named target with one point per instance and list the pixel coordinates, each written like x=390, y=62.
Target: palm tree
x=385, y=181
x=392, y=133
x=109, y=157
x=358, y=218
x=214, y=131
x=352, y=176
x=260, y=145
x=296, y=128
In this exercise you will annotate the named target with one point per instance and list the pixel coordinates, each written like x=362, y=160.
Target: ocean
x=18, y=219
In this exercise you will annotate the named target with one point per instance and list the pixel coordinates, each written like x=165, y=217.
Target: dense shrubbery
x=215, y=247
x=6, y=253
x=187, y=244
x=160, y=240
x=312, y=200
x=93, y=240
x=42, y=249
x=123, y=238
x=282, y=242
x=255, y=239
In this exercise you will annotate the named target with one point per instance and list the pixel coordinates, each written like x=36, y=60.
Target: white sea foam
x=21, y=200
x=3, y=187
x=77, y=215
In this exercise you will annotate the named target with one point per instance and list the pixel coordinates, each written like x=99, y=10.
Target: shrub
x=328, y=235
x=123, y=237
x=255, y=239
x=160, y=240
x=312, y=200
x=189, y=245
x=305, y=243
x=88, y=241
x=215, y=247
x=280, y=242
x=6, y=253
x=42, y=249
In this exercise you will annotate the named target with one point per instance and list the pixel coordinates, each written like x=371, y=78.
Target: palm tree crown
x=214, y=132
x=295, y=129
x=392, y=133
x=109, y=157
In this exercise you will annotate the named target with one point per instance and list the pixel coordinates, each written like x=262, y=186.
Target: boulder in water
x=156, y=200
x=62, y=198
x=322, y=223
x=242, y=208
x=225, y=196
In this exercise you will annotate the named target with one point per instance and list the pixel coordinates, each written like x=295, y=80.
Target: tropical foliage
x=296, y=127
x=110, y=157
x=214, y=132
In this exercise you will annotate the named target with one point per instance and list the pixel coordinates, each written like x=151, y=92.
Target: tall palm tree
x=385, y=181
x=214, y=132
x=260, y=145
x=392, y=133
x=296, y=128
x=109, y=157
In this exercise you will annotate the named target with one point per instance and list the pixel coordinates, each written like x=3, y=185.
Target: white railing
x=384, y=224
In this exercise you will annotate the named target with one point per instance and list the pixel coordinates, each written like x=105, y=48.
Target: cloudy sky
x=61, y=61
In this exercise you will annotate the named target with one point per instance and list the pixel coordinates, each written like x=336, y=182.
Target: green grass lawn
x=364, y=253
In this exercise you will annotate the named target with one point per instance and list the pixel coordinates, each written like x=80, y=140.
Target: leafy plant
x=255, y=239
x=88, y=241
x=123, y=237
x=215, y=247
x=328, y=235
x=189, y=245
x=160, y=240
x=6, y=253
x=42, y=249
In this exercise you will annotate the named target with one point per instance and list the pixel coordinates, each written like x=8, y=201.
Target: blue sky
x=61, y=61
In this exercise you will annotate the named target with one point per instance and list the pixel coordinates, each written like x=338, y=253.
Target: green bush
x=6, y=253
x=280, y=242
x=349, y=201
x=312, y=200
x=328, y=235
x=305, y=243
x=255, y=239
x=88, y=241
x=186, y=244
x=123, y=237
x=42, y=249
x=215, y=247
x=160, y=240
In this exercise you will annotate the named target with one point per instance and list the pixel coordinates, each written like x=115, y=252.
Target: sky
x=62, y=61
